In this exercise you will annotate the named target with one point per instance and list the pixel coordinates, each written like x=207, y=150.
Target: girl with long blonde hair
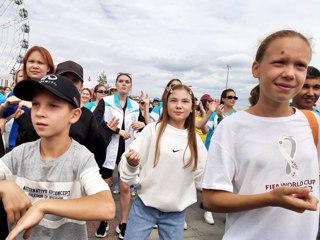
x=168, y=158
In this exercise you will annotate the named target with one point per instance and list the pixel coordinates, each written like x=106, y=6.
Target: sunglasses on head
x=232, y=97
x=102, y=91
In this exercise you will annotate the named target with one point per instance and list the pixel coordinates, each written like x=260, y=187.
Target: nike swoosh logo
x=173, y=150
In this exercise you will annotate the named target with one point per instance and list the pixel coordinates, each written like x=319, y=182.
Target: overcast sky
x=156, y=41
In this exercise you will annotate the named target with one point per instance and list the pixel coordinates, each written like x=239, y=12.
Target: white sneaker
x=185, y=226
x=208, y=217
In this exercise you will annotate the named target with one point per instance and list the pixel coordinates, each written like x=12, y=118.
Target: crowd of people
x=62, y=143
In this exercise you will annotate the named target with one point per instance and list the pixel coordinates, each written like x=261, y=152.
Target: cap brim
x=26, y=89
x=70, y=71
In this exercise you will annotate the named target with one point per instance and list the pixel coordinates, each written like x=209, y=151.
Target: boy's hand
x=297, y=199
x=30, y=219
x=133, y=158
x=15, y=201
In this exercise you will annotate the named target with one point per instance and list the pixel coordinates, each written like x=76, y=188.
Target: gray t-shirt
x=72, y=175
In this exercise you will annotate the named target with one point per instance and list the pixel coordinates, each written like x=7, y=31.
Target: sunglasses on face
x=101, y=91
x=142, y=103
x=232, y=97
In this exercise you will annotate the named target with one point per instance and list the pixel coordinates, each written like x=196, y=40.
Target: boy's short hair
x=313, y=73
x=56, y=84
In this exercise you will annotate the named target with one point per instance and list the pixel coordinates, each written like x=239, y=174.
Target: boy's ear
x=255, y=69
x=76, y=113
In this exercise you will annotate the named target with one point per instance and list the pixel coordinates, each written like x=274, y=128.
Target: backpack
x=313, y=122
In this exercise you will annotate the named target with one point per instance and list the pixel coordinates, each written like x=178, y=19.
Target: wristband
x=117, y=131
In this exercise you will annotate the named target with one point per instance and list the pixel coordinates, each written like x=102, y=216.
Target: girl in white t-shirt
x=166, y=161
x=262, y=167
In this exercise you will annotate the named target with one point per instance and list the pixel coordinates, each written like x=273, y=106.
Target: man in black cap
x=73, y=71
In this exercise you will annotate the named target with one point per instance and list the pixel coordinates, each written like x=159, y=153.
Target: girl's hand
x=202, y=110
x=213, y=105
x=136, y=125
x=146, y=98
x=297, y=199
x=219, y=111
x=124, y=134
x=133, y=158
x=30, y=219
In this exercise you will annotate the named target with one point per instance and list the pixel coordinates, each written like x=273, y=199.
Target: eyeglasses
x=232, y=97
x=101, y=91
x=142, y=103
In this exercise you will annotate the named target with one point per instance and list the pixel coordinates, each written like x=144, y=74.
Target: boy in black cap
x=87, y=130
x=58, y=175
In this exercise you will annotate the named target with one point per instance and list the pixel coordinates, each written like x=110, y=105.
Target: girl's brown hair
x=96, y=88
x=188, y=124
x=277, y=35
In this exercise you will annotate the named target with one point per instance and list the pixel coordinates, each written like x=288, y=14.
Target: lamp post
x=228, y=68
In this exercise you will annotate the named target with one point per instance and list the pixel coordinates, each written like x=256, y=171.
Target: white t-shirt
x=250, y=155
x=169, y=186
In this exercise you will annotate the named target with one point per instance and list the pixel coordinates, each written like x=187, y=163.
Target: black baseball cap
x=70, y=66
x=58, y=85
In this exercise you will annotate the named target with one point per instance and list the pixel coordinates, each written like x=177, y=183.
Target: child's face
x=282, y=70
x=179, y=107
x=51, y=116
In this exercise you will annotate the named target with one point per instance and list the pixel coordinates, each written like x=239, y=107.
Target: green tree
x=103, y=78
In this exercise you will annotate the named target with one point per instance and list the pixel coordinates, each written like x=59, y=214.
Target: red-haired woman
x=37, y=63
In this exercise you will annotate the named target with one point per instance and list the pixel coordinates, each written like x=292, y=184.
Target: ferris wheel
x=14, y=37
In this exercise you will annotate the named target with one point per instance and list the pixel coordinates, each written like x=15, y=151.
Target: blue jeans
x=142, y=218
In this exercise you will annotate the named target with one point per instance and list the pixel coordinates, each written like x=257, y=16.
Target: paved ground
x=197, y=228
